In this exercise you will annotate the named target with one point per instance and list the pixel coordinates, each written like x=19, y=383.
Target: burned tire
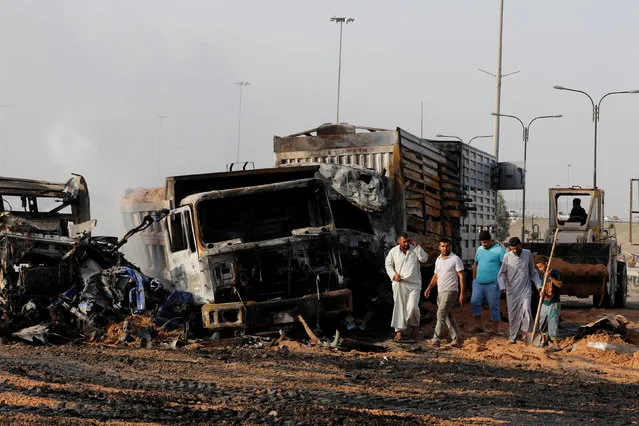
x=622, y=285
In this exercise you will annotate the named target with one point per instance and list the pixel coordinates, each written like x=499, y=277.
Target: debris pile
x=57, y=284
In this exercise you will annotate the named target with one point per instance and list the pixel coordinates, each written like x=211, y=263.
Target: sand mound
x=143, y=195
x=581, y=348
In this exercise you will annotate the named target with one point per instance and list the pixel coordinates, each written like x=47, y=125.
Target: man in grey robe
x=515, y=276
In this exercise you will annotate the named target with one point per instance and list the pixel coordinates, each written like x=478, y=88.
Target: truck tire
x=622, y=285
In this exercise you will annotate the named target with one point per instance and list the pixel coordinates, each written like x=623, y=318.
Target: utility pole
x=340, y=21
x=498, y=80
x=6, y=138
x=242, y=85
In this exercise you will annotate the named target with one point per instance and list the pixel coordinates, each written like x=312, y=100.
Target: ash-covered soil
x=486, y=381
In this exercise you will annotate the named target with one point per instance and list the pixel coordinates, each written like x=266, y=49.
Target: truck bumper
x=277, y=313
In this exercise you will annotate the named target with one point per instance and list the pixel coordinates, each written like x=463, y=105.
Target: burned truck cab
x=257, y=250
x=41, y=223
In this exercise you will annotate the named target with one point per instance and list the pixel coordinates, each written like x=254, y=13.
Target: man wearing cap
x=515, y=277
x=488, y=259
x=403, y=268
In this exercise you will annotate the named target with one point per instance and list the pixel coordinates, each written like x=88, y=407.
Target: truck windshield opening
x=262, y=216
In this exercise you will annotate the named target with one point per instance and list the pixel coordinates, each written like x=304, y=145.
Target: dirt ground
x=486, y=381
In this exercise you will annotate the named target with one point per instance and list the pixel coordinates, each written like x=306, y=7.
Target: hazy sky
x=88, y=79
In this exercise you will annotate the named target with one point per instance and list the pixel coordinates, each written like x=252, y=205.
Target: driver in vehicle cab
x=577, y=214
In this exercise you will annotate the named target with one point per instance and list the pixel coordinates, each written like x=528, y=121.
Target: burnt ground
x=245, y=386
x=484, y=382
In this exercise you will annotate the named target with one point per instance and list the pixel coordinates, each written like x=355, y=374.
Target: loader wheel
x=609, y=299
x=597, y=301
x=622, y=286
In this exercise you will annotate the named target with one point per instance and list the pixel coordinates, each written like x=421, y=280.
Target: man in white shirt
x=403, y=268
x=449, y=271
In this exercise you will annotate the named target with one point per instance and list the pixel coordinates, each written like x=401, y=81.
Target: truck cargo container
x=437, y=188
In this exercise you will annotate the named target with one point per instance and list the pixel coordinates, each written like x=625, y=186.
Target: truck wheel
x=622, y=285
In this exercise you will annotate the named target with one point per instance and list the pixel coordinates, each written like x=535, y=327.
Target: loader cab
x=578, y=213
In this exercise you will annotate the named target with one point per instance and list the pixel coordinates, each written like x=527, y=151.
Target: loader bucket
x=584, y=267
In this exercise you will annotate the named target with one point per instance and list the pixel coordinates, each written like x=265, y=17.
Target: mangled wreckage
x=55, y=278
x=255, y=248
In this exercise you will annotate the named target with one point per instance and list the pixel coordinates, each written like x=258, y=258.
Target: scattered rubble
x=59, y=283
x=608, y=324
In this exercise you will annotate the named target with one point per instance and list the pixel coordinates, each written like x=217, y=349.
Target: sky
x=87, y=81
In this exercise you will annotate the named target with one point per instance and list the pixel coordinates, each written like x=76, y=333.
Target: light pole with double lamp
x=461, y=140
x=595, y=118
x=526, y=133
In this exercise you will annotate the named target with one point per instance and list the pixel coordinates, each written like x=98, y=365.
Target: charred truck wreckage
x=255, y=248
x=56, y=279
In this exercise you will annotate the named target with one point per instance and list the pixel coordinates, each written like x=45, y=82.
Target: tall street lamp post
x=595, y=118
x=340, y=21
x=242, y=85
x=525, y=132
x=6, y=143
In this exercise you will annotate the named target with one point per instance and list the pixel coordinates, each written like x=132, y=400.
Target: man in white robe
x=403, y=268
x=515, y=276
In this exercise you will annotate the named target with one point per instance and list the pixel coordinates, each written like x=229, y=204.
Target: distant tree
x=502, y=228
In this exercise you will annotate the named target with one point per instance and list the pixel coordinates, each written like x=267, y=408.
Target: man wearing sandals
x=403, y=268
